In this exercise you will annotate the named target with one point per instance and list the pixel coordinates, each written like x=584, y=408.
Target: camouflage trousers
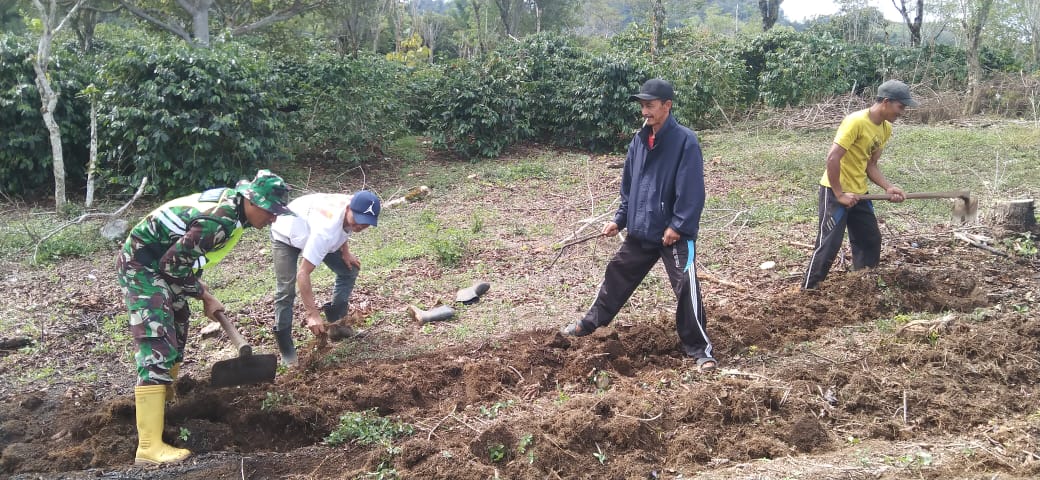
x=159, y=316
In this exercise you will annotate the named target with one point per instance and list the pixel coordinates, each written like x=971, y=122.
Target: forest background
x=198, y=93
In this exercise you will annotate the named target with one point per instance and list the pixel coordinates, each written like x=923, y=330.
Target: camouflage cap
x=267, y=191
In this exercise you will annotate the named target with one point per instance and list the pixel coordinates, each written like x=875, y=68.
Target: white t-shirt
x=317, y=229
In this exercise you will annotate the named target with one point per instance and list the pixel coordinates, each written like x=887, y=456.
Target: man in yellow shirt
x=852, y=159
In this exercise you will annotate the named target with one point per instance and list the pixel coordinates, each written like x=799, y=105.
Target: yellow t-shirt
x=860, y=138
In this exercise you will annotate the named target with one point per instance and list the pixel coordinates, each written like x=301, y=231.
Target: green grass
x=408, y=148
x=41, y=233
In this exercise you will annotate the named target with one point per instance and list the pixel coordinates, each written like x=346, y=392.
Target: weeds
x=1023, y=244
x=496, y=452
x=366, y=428
x=184, y=434
x=274, y=400
x=492, y=411
x=522, y=447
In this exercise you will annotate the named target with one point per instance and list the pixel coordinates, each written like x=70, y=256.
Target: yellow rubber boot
x=171, y=394
x=151, y=409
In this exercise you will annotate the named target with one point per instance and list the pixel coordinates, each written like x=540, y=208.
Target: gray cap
x=898, y=91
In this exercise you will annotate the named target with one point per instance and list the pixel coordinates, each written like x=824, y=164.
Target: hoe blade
x=244, y=370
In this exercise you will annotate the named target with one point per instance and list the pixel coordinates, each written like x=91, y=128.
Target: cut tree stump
x=1017, y=215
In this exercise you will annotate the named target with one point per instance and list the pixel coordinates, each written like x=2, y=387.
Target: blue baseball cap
x=365, y=206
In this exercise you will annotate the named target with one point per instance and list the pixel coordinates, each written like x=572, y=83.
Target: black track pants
x=864, y=236
x=628, y=268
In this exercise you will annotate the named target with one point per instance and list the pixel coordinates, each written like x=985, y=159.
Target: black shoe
x=574, y=330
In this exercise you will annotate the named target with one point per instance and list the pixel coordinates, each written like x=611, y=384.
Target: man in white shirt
x=320, y=232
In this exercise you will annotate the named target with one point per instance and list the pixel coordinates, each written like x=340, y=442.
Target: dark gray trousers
x=834, y=218
x=626, y=271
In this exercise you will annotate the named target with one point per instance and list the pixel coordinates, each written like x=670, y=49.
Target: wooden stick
x=978, y=244
x=572, y=242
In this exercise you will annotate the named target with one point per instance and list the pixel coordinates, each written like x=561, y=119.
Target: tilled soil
x=923, y=368
x=811, y=385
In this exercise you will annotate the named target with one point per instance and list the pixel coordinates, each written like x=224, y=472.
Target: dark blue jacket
x=664, y=186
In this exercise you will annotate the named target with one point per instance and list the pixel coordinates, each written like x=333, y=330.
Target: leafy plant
x=492, y=411
x=273, y=400
x=1023, y=244
x=367, y=427
x=525, y=442
x=602, y=457
x=184, y=434
x=496, y=452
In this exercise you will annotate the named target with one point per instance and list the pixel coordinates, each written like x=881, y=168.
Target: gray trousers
x=626, y=271
x=286, y=259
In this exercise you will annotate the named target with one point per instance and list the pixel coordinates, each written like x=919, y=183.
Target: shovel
x=247, y=369
x=965, y=208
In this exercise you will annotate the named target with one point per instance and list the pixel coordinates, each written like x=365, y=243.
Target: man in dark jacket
x=662, y=196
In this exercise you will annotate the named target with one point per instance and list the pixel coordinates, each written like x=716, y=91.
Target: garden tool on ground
x=247, y=368
x=435, y=314
x=965, y=208
x=472, y=293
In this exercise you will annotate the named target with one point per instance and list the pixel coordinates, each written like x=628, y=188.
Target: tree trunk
x=913, y=26
x=200, y=22
x=92, y=163
x=770, y=10
x=657, y=26
x=974, y=20
x=537, y=18
x=49, y=97
x=1015, y=215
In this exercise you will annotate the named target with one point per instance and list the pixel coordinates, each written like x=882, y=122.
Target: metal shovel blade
x=245, y=370
x=965, y=210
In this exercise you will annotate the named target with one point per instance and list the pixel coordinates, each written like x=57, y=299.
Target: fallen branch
x=971, y=240
x=452, y=412
x=572, y=242
x=712, y=278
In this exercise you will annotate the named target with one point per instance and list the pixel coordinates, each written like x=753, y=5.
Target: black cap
x=654, y=89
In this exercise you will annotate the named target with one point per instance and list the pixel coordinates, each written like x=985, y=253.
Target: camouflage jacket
x=174, y=239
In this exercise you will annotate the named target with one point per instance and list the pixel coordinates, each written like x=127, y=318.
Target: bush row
x=193, y=118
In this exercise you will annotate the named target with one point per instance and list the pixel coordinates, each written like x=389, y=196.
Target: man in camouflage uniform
x=159, y=267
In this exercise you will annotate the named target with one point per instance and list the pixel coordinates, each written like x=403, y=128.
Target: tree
x=238, y=17
x=1031, y=12
x=770, y=10
x=430, y=26
x=656, y=26
x=51, y=23
x=973, y=18
x=510, y=12
x=914, y=26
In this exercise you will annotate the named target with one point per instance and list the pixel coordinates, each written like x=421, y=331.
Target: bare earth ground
x=811, y=385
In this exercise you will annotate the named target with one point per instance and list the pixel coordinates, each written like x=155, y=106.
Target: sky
x=800, y=10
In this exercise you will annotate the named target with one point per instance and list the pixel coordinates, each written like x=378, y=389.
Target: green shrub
x=791, y=68
x=707, y=72
x=188, y=118
x=482, y=107
x=344, y=109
